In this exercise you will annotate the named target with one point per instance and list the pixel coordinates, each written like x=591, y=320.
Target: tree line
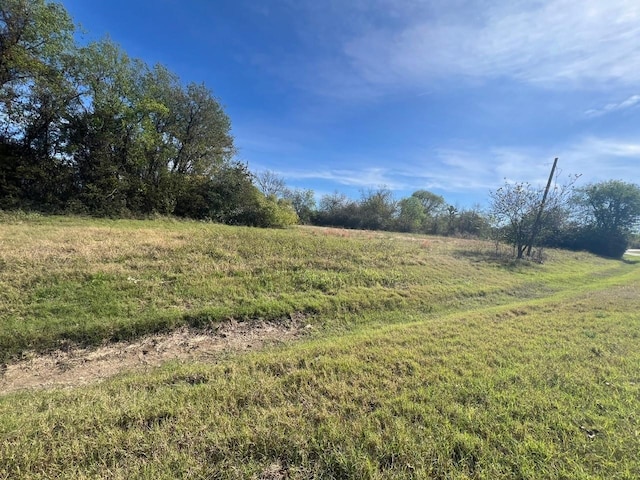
x=88, y=129
x=602, y=218
x=377, y=209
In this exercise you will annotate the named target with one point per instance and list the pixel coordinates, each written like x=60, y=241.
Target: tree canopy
x=608, y=213
x=86, y=128
x=612, y=206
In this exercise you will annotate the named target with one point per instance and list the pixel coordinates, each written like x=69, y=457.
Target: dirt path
x=81, y=366
x=635, y=253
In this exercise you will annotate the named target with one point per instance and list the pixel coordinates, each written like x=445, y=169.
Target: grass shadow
x=492, y=257
x=630, y=261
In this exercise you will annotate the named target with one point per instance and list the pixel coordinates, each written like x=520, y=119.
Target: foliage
x=34, y=34
x=432, y=204
x=89, y=129
x=601, y=242
x=601, y=219
x=338, y=210
x=469, y=222
x=519, y=212
x=611, y=206
x=36, y=49
x=422, y=212
x=303, y=202
x=275, y=212
x=433, y=207
x=412, y=215
x=608, y=214
x=377, y=210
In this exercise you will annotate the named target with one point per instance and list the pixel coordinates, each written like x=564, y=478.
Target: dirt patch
x=80, y=366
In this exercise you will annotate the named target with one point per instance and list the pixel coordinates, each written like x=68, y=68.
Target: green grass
x=90, y=281
x=434, y=360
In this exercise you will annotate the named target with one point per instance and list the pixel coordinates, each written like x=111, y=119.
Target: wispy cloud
x=593, y=158
x=599, y=154
x=373, y=177
x=555, y=43
x=630, y=102
x=477, y=171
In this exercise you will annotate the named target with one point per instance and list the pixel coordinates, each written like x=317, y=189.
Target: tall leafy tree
x=612, y=206
x=186, y=135
x=36, y=51
x=432, y=203
x=104, y=129
x=433, y=206
x=412, y=214
x=609, y=212
x=201, y=131
x=33, y=34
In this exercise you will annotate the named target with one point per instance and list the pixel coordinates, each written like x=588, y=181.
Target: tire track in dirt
x=73, y=367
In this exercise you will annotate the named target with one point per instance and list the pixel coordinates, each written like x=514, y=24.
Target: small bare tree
x=517, y=213
x=270, y=183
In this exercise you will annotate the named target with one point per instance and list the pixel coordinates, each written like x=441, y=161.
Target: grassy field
x=432, y=358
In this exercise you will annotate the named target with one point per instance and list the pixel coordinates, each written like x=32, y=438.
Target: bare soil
x=80, y=366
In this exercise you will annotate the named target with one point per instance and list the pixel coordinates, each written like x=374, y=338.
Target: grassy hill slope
x=434, y=359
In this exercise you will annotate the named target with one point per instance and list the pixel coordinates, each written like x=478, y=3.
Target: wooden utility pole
x=536, y=225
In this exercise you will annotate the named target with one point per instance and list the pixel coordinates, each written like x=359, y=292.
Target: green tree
x=33, y=35
x=412, y=215
x=377, y=209
x=36, y=52
x=609, y=213
x=432, y=203
x=104, y=134
x=201, y=130
x=433, y=206
x=141, y=138
x=612, y=206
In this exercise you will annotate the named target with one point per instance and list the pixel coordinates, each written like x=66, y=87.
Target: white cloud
x=477, y=171
x=595, y=159
x=373, y=177
x=630, y=102
x=555, y=43
x=604, y=158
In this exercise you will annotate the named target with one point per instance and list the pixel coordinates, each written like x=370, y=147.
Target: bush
x=230, y=197
x=601, y=242
x=275, y=213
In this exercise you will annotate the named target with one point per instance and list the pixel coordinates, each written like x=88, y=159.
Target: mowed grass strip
x=540, y=389
x=89, y=281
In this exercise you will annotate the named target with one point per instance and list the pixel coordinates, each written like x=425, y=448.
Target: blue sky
x=452, y=96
